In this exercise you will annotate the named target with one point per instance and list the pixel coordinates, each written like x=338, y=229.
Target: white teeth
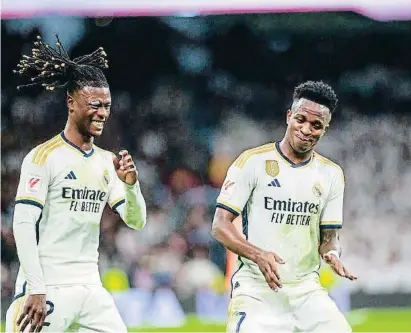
x=98, y=124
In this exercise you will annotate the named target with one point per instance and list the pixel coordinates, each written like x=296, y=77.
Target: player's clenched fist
x=125, y=168
x=267, y=262
x=34, y=313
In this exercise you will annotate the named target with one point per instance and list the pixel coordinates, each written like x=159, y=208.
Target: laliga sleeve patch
x=227, y=189
x=33, y=184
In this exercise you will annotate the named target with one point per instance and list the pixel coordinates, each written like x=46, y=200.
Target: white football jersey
x=283, y=206
x=71, y=187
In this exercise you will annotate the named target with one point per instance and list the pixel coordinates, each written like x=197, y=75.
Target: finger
x=36, y=319
x=123, y=152
x=279, y=259
x=116, y=161
x=26, y=309
x=127, y=158
x=272, y=279
x=41, y=322
x=128, y=164
x=132, y=170
x=349, y=276
x=26, y=322
x=274, y=269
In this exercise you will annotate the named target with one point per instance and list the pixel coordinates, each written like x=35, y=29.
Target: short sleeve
x=237, y=187
x=34, y=182
x=332, y=214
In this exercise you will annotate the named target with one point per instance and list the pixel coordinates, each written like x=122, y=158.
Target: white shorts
x=80, y=308
x=302, y=307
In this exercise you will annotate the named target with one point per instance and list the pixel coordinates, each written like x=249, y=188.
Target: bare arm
x=329, y=248
x=329, y=241
x=227, y=234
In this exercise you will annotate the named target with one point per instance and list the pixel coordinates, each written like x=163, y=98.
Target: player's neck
x=74, y=136
x=292, y=155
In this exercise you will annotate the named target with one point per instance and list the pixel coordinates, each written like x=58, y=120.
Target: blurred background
x=190, y=93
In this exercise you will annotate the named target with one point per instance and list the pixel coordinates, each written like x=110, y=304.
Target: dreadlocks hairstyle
x=318, y=92
x=52, y=68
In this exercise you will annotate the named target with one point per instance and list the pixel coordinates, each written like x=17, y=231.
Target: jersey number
x=49, y=312
x=242, y=317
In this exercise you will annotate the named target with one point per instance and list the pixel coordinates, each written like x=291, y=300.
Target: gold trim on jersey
x=30, y=198
x=43, y=150
x=244, y=157
x=330, y=223
x=115, y=202
x=325, y=160
x=47, y=153
x=225, y=203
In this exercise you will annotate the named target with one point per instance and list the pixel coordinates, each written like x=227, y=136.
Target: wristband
x=334, y=252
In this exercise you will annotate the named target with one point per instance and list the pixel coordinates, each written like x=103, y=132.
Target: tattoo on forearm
x=329, y=240
x=328, y=235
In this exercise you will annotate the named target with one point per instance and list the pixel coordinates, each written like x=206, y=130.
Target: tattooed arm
x=330, y=251
x=329, y=241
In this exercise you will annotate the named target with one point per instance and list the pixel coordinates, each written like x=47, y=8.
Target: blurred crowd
x=186, y=129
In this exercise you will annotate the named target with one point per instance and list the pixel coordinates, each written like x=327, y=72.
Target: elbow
x=216, y=231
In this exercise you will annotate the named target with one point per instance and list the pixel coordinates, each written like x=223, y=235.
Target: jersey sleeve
x=332, y=215
x=34, y=182
x=237, y=187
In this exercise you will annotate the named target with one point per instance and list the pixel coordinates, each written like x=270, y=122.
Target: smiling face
x=89, y=109
x=307, y=123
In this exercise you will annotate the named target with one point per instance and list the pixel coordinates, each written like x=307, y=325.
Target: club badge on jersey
x=271, y=168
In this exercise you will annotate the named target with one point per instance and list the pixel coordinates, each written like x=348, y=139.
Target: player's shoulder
x=105, y=154
x=328, y=164
x=253, y=154
x=42, y=153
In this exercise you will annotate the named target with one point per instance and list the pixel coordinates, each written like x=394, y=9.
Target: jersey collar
x=292, y=164
x=76, y=147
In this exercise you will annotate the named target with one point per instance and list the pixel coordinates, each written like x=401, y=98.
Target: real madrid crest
x=271, y=168
x=317, y=190
x=106, y=178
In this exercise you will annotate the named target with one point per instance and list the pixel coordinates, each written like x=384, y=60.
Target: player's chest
x=82, y=173
x=278, y=181
x=81, y=187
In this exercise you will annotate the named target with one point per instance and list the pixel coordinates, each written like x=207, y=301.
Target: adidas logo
x=275, y=183
x=71, y=175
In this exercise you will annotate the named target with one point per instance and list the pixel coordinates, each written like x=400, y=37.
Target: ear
x=288, y=115
x=70, y=103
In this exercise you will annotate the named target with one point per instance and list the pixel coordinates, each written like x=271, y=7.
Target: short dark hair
x=318, y=92
x=52, y=68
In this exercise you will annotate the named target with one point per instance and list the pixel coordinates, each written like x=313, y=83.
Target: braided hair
x=52, y=68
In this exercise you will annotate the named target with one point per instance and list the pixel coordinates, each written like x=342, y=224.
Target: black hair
x=318, y=92
x=52, y=68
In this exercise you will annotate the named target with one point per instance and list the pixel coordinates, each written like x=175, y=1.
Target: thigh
x=317, y=312
x=253, y=314
x=99, y=312
x=62, y=305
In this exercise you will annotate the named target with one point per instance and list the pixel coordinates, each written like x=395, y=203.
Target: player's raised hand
x=125, y=168
x=267, y=262
x=34, y=313
x=337, y=266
